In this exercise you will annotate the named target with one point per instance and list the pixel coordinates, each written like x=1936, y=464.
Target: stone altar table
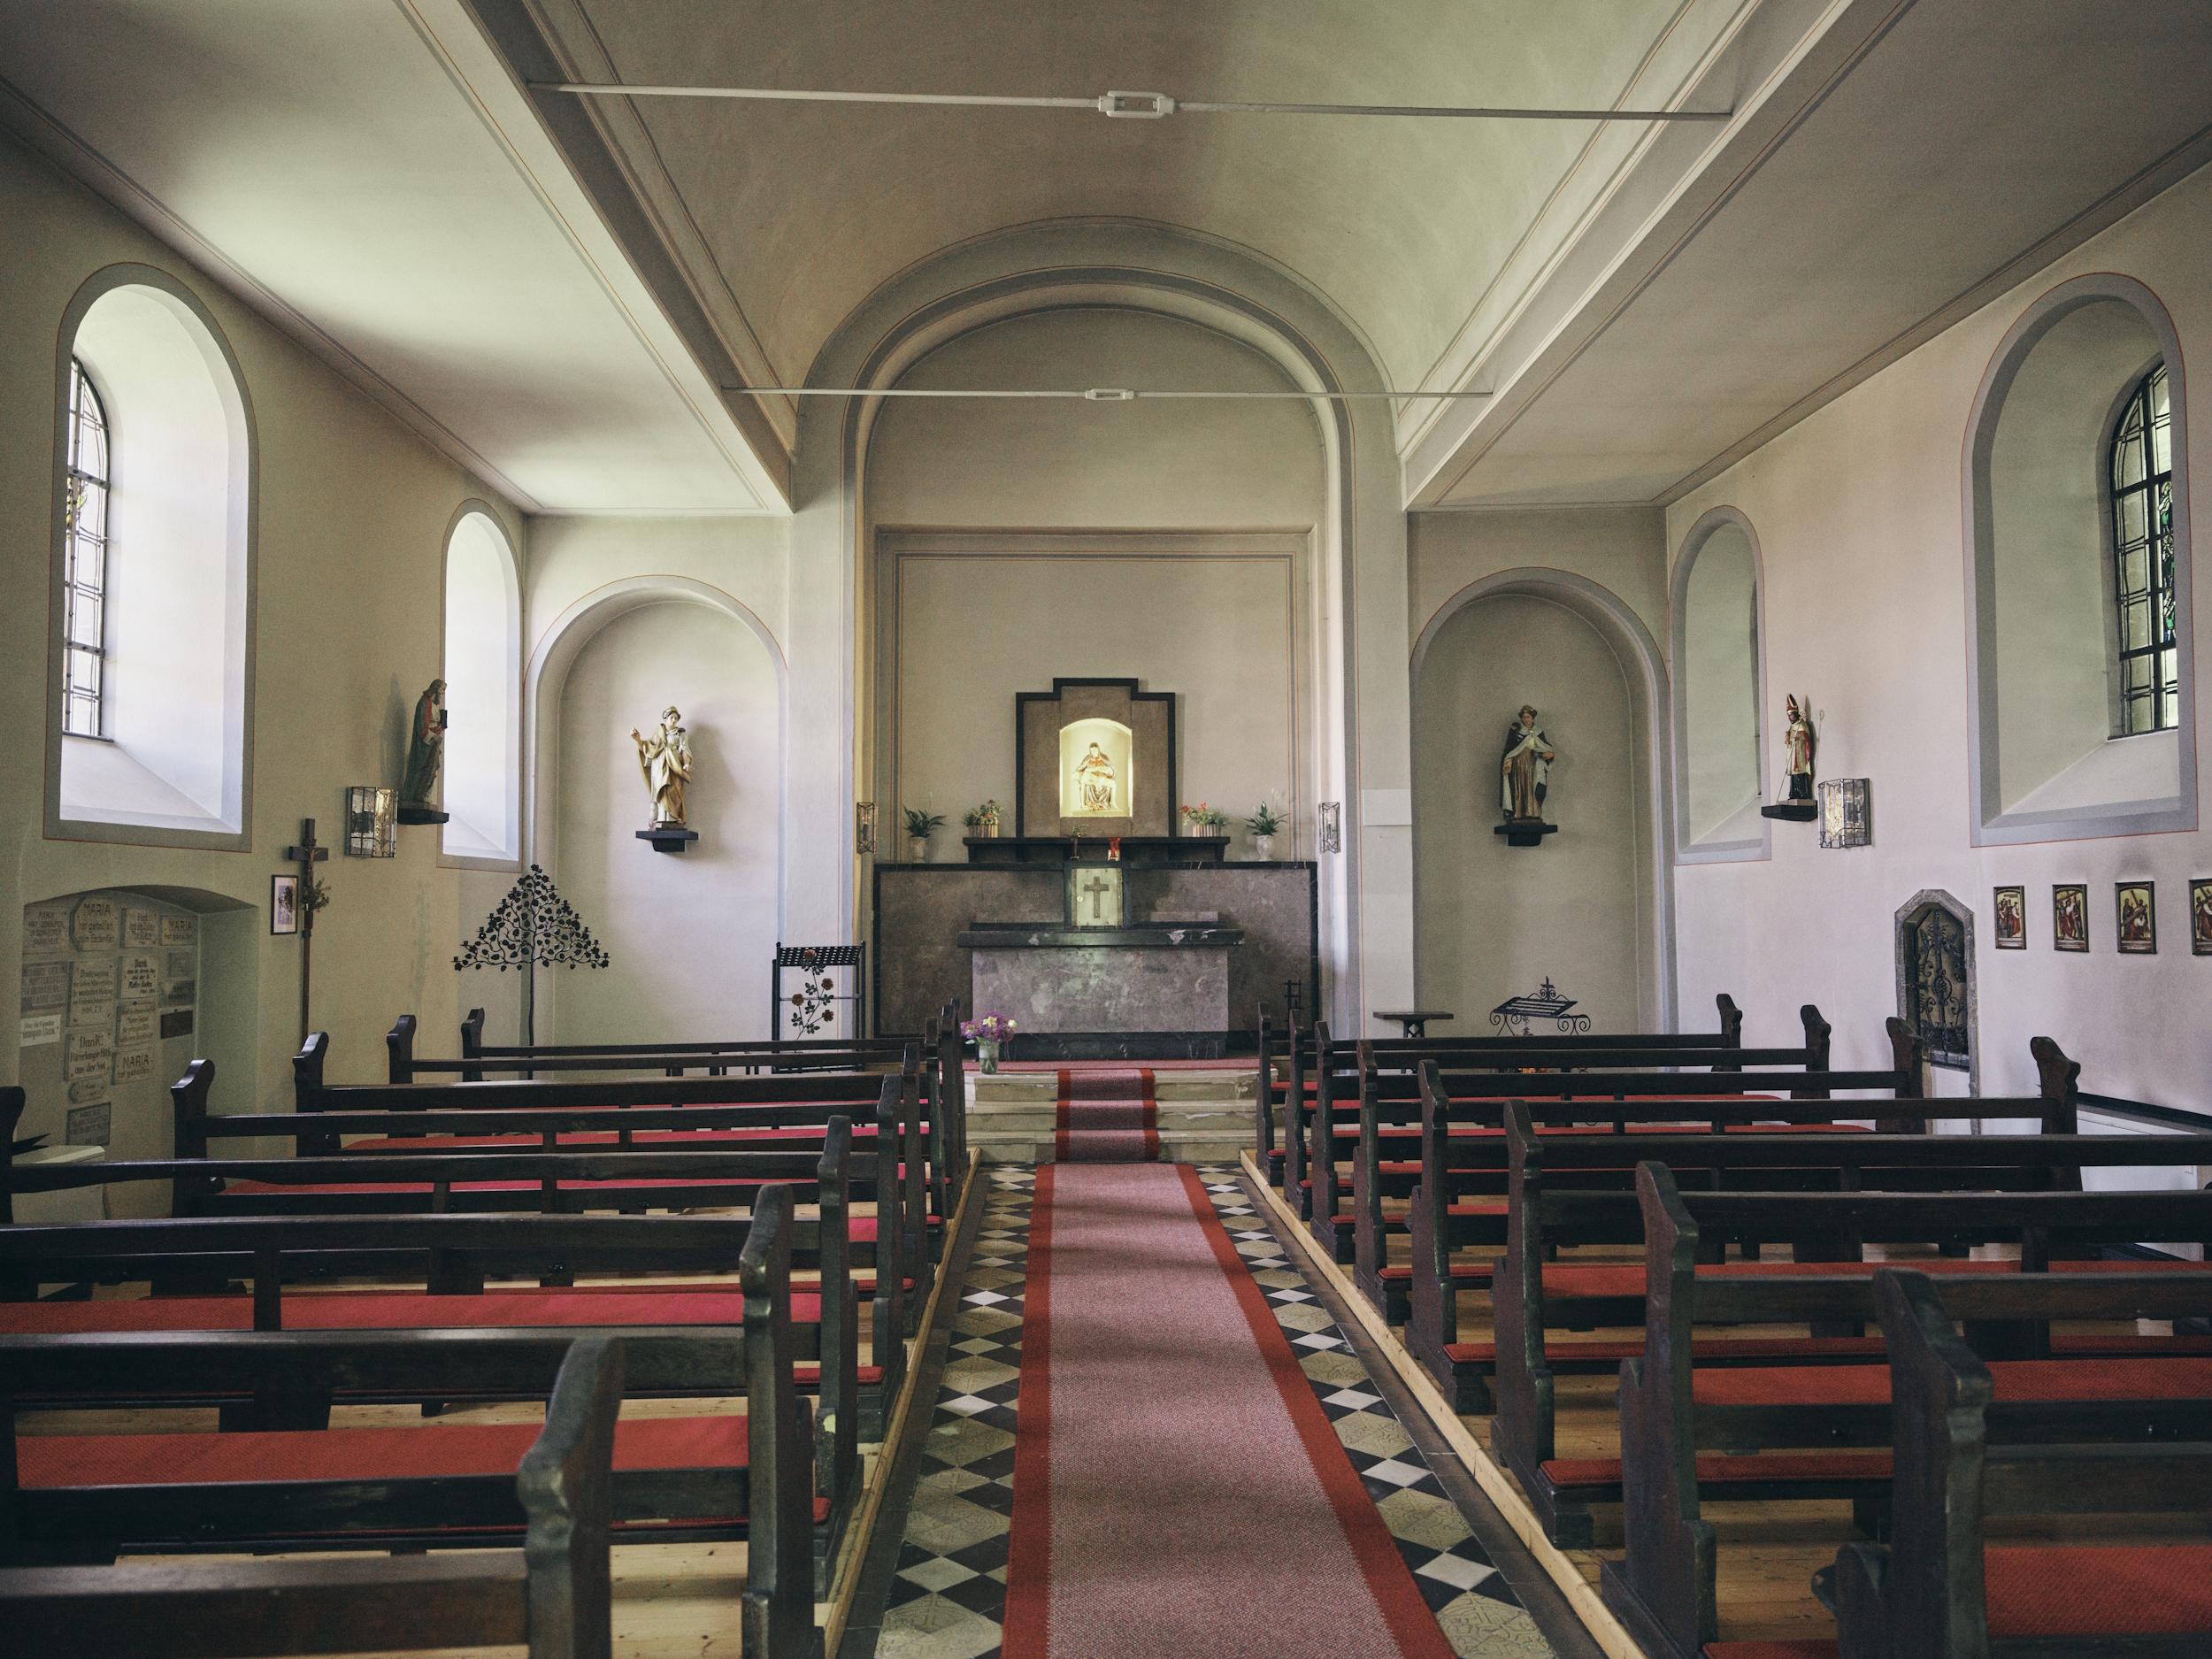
x=1142, y=977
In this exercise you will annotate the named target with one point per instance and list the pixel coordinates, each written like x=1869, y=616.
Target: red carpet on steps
x=1178, y=1491
x=1106, y=1115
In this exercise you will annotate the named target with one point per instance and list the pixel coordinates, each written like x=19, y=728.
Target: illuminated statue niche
x=1097, y=765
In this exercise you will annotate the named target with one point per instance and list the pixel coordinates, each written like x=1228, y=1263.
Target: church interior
x=1103, y=832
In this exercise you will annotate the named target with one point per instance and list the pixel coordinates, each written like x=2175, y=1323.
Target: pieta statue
x=1094, y=776
x=1526, y=768
x=1798, y=744
x=666, y=760
x=425, y=740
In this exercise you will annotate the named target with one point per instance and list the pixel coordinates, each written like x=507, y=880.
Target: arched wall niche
x=2044, y=764
x=482, y=771
x=1592, y=907
x=1358, y=588
x=690, y=935
x=180, y=638
x=1718, y=707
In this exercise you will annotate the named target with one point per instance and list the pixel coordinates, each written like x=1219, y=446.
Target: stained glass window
x=85, y=562
x=2142, y=471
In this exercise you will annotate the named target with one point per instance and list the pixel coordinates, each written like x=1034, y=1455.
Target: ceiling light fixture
x=1142, y=106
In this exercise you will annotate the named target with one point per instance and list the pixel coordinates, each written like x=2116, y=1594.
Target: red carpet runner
x=1178, y=1490
x=1106, y=1115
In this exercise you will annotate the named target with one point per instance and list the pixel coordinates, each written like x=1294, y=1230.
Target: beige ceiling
x=803, y=210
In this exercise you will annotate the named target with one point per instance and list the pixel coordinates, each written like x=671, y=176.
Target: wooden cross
x=306, y=854
x=1097, y=887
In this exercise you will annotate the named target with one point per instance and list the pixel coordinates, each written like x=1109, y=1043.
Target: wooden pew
x=553, y=1593
x=1530, y=1292
x=804, y=1096
x=1690, y=1435
x=84, y=1498
x=1940, y=1590
x=938, y=1048
x=1391, y=1117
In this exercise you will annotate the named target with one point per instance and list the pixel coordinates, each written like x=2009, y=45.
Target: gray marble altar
x=1161, y=977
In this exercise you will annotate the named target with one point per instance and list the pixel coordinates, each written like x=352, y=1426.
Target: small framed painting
x=2200, y=916
x=2135, y=908
x=284, y=904
x=2010, y=908
x=2070, y=917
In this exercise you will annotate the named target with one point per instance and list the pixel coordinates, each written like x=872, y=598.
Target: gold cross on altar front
x=1097, y=886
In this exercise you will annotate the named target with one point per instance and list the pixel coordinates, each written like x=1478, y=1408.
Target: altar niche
x=1095, y=758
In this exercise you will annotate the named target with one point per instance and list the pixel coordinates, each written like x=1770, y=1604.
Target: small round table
x=1414, y=1020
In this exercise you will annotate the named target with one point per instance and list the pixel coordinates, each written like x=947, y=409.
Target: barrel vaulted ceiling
x=587, y=299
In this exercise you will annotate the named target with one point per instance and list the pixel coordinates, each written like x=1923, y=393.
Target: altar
x=1095, y=927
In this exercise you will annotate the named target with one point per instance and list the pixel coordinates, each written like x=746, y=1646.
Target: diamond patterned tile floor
x=948, y=1588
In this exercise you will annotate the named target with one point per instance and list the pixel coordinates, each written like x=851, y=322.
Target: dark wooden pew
x=553, y=1593
x=1939, y=1589
x=1390, y=1113
x=85, y=1497
x=1530, y=1291
x=1690, y=1435
x=943, y=1093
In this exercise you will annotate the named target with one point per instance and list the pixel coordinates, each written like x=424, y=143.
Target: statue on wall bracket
x=425, y=744
x=1798, y=744
x=1523, y=781
x=665, y=761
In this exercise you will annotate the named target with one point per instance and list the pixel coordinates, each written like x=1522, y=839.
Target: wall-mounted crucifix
x=1094, y=896
x=307, y=855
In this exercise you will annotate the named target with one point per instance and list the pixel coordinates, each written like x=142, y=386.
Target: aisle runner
x=1178, y=1490
x=1106, y=1116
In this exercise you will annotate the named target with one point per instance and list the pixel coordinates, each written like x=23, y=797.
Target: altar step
x=1202, y=1116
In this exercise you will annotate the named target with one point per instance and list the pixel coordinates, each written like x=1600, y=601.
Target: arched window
x=2141, y=467
x=151, y=584
x=1720, y=760
x=483, y=676
x=85, y=561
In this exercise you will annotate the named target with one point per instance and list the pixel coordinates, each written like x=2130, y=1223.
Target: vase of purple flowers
x=987, y=1031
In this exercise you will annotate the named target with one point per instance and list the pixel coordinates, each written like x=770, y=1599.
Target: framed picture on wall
x=2135, y=912
x=284, y=904
x=2010, y=910
x=2200, y=916
x=2069, y=916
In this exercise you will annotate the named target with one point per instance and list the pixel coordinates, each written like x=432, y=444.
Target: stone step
x=1185, y=1148
x=1015, y=1087
x=1226, y=1119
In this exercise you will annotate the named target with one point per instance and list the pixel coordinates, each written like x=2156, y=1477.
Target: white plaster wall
x=689, y=935
x=353, y=511
x=1859, y=515
x=1622, y=550
x=1492, y=921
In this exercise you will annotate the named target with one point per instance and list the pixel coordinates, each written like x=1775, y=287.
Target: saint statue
x=1094, y=781
x=425, y=741
x=1798, y=743
x=1526, y=767
x=665, y=760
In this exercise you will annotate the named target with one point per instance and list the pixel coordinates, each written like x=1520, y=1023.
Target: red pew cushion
x=1725, y=1348
x=2017, y=1381
x=376, y=1310
x=2098, y=1589
x=1605, y=1473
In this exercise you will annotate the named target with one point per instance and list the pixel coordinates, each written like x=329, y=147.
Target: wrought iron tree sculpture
x=533, y=924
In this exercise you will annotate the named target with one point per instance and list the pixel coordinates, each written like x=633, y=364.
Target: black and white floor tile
x=949, y=1590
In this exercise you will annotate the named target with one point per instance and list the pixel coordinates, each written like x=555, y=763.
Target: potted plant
x=1263, y=827
x=920, y=826
x=987, y=1031
x=983, y=819
x=1204, y=819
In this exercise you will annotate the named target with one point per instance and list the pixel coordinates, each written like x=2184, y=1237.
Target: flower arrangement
x=921, y=826
x=989, y=1028
x=1204, y=819
x=983, y=818
x=1263, y=823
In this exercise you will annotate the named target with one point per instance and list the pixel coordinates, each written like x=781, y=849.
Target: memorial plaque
x=180, y=967
x=175, y=993
x=176, y=1022
x=91, y=1086
x=91, y=1068
x=88, y=1126
x=92, y=993
x=45, y=930
x=179, y=929
x=87, y=1012
x=142, y=975
x=38, y=1030
x=136, y=1024
x=132, y=1064
x=45, y=984
x=142, y=930
x=99, y=1041
x=96, y=924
